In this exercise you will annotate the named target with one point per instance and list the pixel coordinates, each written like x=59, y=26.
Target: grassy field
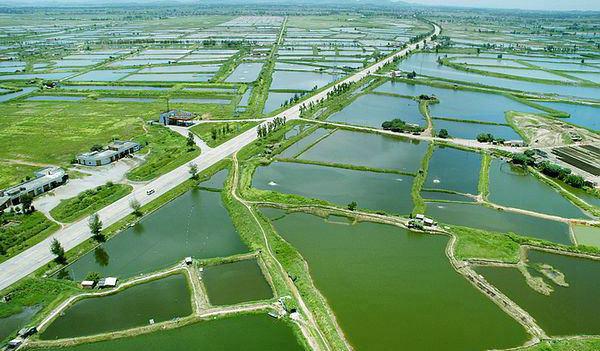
x=166, y=150
x=89, y=202
x=20, y=231
x=476, y=243
x=12, y=174
x=222, y=131
x=591, y=344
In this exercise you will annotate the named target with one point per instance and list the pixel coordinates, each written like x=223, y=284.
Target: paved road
x=72, y=235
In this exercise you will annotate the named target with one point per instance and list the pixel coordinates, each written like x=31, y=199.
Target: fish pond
x=454, y=169
x=13, y=323
x=387, y=287
x=476, y=216
x=571, y=310
x=248, y=332
x=236, y=282
x=195, y=224
x=587, y=116
x=159, y=300
x=371, y=190
x=370, y=150
x=513, y=187
x=372, y=110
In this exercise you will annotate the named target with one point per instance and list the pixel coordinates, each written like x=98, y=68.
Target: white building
x=45, y=180
x=115, y=151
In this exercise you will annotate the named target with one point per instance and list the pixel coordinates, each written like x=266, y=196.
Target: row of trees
x=269, y=127
x=548, y=168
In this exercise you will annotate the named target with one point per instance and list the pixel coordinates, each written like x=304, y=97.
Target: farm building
x=176, y=117
x=115, y=151
x=45, y=180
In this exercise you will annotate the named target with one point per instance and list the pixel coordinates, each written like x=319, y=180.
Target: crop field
x=299, y=176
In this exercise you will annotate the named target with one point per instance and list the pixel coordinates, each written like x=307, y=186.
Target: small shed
x=188, y=260
x=110, y=282
x=88, y=284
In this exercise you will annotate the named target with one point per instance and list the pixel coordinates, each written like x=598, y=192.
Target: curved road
x=72, y=235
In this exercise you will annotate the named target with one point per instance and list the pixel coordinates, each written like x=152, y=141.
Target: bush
x=443, y=133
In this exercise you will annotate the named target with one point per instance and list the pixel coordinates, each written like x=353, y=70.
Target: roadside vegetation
x=215, y=134
x=19, y=231
x=89, y=201
x=165, y=150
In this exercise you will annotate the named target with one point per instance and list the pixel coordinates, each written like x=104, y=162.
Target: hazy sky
x=521, y=4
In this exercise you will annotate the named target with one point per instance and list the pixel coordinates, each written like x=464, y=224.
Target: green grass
x=12, y=174
x=21, y=231
x=484, y=175
x=476, y=243
x=591, y=344
x=166, y=150
x=204, y=131
x=89, y=202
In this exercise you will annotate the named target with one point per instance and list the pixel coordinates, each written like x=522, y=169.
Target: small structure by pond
x=177, y=118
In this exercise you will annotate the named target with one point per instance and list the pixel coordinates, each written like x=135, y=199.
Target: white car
x=150, y=192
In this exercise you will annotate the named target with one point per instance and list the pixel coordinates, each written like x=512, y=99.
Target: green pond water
x=371, y=150
x=510, y=186
x=245, y=332
x=587, y=235
x=440, y=195
x=372, y=110
x=195, y=224
x=454, y=169
x=567, y=310
x=392, y=289
x=475, y=216
x=217, y=180
x=12, y=323
x=371, y=190
x=300, y=80
x=161, y=300
x=303, y=143
x=231, y=283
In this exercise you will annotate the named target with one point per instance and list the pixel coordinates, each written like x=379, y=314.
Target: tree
x=352, y=206
x=190, y=140
x=57, y=250
x=575, y=181
x=193, y=169
x=26, y=201
x=96, y=147
x=485, y=138
x=135, y=206
x=95, y=225
x=522, y=159
x=443, y=133
x=93, y=276
x=213, y=133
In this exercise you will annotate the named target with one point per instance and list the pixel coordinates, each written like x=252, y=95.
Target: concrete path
x=74, y=234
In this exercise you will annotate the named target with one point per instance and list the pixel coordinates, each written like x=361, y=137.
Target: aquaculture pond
x=388, y=286
x=245, y=72
x=169, y=77
x=465, y=130
x=426, y=64
x=111, y=87
x=13, y=323
x=231, y=283
x=217, y=180
x=571, y=310
x=461, y=104
x=476, y=216
x=370, y=150
x=10, y=96
x=454, y=169
x=275, y=100
x=587, y=235
x=442, y=195
x=372, y=110
x=513, y=187
x=587, y=116
x=301, y=145
x=371, y=190
x=300, y=80
x=55, y=98
x=102, y=75
x=159, y=300
x=248, y=332
x=195, y=224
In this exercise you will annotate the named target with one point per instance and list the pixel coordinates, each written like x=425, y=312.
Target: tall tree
x=57, y=250
x=95, y=225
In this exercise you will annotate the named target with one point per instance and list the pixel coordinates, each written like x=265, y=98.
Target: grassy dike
x=484, y=175
x=420, y=180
